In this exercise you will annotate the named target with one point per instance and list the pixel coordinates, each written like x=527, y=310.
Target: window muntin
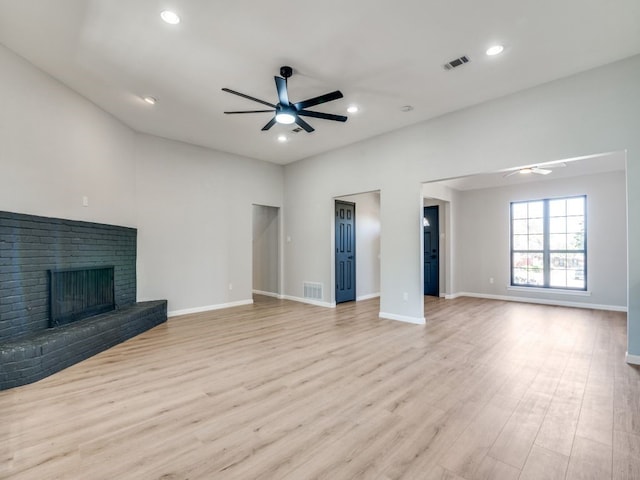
x=548, y=243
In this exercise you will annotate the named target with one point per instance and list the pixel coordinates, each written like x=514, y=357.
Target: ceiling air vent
x=456, y=63
x=296, y=130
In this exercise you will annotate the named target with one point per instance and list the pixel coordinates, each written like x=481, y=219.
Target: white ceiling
x=382, y=55
x=592, y=165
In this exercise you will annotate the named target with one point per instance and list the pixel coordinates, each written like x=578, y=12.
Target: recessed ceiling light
x=495, y=50
x=353, y=109
x=406, y=108
x=282, y=138
x=170, y=17
x=150, y=100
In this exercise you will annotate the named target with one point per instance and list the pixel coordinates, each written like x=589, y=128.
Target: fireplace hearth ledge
x=32, y=357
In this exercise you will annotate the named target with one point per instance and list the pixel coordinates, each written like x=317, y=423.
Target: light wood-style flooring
x=282, y=390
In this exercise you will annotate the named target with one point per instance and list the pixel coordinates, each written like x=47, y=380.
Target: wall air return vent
x=456, y=63
x=312, y=290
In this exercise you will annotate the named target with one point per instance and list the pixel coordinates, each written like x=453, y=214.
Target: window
x=548, y=243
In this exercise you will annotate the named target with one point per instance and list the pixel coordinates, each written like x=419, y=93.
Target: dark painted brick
x=39, y=244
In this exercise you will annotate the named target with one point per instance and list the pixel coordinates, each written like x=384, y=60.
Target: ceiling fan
x=535, y=170
x=286, y=112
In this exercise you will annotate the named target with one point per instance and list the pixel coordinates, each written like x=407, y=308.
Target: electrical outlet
x=491, y=280
x=231, y=286
x=405, y=296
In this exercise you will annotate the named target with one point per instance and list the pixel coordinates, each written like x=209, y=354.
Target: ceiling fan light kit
x=287, y=113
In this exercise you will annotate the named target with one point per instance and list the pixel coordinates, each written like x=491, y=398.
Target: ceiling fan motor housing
x=286, y=71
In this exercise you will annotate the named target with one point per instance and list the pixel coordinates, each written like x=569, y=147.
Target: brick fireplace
x=38, y=255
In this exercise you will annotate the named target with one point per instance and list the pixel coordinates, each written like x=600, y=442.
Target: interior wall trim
x=541, y=301
x=317, y=303
x=267, y=294
x=632, y=359
x=207, y=308
x=368, y=296
x=402, y=318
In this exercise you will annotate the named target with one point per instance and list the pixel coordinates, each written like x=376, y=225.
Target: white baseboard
x=268, y=294
x=541, y=301
x=632, y=359
x=317, y=303
x=208, y=308
x=368, y=296
x=402, y=318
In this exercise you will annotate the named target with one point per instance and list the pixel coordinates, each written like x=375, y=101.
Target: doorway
x=266, y=250
x=345, y=230
x=431, y=233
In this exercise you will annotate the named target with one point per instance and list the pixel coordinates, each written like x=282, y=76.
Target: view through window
x=548, y=243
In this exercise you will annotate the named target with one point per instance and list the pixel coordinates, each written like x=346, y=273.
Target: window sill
x=553, y=291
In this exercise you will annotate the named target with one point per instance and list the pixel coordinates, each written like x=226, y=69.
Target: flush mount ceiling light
x=495, y=50
x=285, y=117
x=352, y=109
x=170, y=17
x=150, y=100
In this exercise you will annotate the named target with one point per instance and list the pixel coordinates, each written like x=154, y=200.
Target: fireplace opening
x=77, y=293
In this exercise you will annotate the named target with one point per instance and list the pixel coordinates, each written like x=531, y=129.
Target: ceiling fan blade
x=304, y=124
x=271, y=123
x=281, y=86
x=325, y=116
x=252, y=111
x=228, y=90
x=327, y=97
x=540, y=171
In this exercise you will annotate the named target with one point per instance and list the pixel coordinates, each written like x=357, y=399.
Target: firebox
x=77, y=293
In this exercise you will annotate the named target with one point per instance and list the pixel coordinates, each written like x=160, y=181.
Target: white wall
x=266, y=249
x=594, y=112
x=194, y=217
x=367, y=243
x=56, y=147
x=482, y=228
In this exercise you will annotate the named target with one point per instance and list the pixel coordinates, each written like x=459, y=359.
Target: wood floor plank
x=280, y=389
x=589, y=460
x=468, y=452
x=558, y=429
x=515, y=440
x=542, y=463
x=626, y=456
x=492, y=469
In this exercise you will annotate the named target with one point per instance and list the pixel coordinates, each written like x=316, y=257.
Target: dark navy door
x=345, y=251
x=431, y=252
